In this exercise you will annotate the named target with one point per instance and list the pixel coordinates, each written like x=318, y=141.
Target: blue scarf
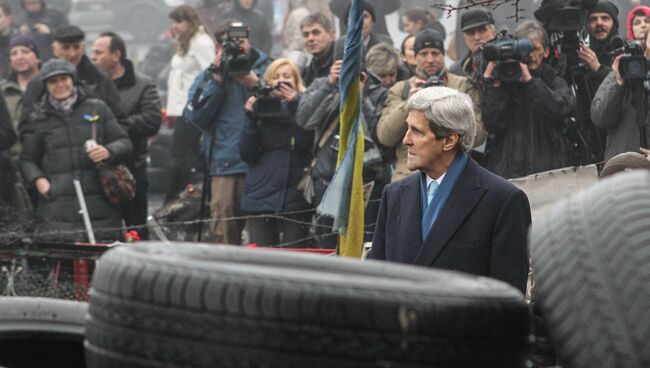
x=431, y=211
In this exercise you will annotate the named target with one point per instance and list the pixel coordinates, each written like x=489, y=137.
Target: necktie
x=431, y=191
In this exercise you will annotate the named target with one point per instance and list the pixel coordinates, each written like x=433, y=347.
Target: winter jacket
x=218, y=111
x=318, y=68
x=142, y=106
x=318, y=108
x=277, y=151
x=526, y=124
x=52, y=18
x=13, y=96
x=185, y=68
x=53, y=148
x=392, y=127
x=612, y=109
x=260, y=31
x=94, y=82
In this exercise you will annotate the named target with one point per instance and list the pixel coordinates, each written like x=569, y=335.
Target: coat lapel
x=411, y=215
x=463, y=199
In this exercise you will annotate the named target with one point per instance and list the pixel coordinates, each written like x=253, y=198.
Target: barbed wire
x=51, y=236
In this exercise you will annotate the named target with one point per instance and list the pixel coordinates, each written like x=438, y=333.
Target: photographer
x=430, y=70
x=526, y=117
x=478, y=29
x=277, y=151
x=216, y=106
x=319, y=111
x=583, y=66
x=614, y=107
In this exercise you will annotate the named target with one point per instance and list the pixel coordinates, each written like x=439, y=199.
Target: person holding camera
x=478, y=29
x=216, y=106
x=319, y=111
x=619, y=103
x=526, y=117
x=430, y=71
x=277, y=151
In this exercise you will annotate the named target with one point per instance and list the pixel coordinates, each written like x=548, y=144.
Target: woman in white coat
x=195, y=51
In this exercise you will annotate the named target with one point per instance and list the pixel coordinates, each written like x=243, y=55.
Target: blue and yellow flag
x=343, y=199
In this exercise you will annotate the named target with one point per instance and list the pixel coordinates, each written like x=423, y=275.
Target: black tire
x=591, y=255
x=41, y=332
x=192, y=305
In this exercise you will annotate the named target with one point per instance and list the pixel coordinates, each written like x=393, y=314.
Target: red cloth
x=630, y=18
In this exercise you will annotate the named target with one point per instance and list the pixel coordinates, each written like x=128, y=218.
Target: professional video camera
x=267, y=105
x=432, y=81
x=633, y=66
x=508, y=53
x=234, y=60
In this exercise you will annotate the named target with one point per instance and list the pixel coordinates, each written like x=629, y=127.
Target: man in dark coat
x=318, y=34
x=261, y=33
x=69, y=44
x=142, y=104
x=453, y=214
x=526, y=118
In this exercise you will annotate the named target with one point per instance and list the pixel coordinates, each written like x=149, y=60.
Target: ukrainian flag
x=343, y=199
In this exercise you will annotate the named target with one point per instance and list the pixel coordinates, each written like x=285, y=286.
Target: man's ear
x=450, y=143
x=547, y=52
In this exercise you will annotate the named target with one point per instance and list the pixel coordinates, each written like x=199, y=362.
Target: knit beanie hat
x=26, y=41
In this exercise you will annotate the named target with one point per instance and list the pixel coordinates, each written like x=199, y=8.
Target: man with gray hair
x=452, y=214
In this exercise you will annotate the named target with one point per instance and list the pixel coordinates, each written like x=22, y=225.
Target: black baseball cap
x=475, y=18
x=69, y=34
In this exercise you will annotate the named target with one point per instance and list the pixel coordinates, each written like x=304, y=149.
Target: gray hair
x=531, y=29
x=382, y=59
x=448, y=111
x=317, y=18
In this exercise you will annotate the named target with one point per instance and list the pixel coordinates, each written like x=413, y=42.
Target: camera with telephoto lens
x=234, y=60
x=633, y=66
x=268, y=105
x=508, y=53
x=432, y=81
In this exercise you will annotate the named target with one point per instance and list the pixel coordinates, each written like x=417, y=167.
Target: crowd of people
x=265, y=131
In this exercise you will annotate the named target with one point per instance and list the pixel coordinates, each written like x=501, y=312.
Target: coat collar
x=466, y=194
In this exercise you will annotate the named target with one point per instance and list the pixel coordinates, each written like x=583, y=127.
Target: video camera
x=432, y=81
x=633, y=66
x=234, y=60
x=267, y=105
x=508, y=53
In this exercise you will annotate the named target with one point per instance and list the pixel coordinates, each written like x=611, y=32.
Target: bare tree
x=494, y=4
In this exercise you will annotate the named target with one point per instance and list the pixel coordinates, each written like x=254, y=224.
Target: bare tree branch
x=493, y=4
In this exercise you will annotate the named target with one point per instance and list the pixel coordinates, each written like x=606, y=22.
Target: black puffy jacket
x=53, y=148
x=276, y=150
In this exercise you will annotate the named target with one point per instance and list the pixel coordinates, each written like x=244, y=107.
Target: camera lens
x=635, y=67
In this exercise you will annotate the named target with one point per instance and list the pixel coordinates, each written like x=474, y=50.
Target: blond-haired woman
x=277, y=150
x=195, y=51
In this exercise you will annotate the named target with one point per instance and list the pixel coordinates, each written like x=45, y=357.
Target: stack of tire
x=591, y=256
x=193, y=305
